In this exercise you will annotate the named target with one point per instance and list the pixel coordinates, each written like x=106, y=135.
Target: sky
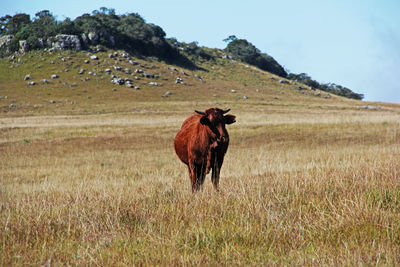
x=354, y=43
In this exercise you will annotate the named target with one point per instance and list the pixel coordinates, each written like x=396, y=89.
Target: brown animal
x=202, y=143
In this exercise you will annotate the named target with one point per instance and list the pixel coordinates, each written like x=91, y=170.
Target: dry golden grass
x=316, y=186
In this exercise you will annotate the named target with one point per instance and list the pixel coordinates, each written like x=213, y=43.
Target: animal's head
x=216, y=119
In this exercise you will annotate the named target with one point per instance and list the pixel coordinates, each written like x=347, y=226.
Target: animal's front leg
x=210, y=155
x=216, y=168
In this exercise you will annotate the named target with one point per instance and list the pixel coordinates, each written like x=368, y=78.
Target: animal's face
x=216, y=120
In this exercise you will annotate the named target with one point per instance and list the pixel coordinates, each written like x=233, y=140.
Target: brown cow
x=202, y=143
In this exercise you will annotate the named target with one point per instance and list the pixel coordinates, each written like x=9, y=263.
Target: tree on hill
x=230, y=38
x=11, y=25
x=245, y=51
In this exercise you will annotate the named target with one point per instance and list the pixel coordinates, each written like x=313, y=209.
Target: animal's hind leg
x=200, y=173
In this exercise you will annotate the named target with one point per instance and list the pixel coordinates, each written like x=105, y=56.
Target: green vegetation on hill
x=103, y=27
x=329, y=87
x=247, y=52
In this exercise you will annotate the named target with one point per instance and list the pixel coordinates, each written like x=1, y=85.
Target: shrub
x=245, y=51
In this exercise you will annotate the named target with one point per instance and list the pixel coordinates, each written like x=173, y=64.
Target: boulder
x=283, y=82
x=27, y=77
x=23, y=46
x=94, y=57
x=154, y=83
x=167, y=94
x=31, y=83
x=41, y=42
x=148, y=75
x=198, y=77
x=118, y=81
x=99, y=48
x=54, y=76
x=5, y=40
x=65, y=41
x=93, y=37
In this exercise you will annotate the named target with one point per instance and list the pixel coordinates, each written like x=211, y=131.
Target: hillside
x=221, y=80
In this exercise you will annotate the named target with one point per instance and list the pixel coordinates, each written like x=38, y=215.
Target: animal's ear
x=229, y=119
x=204, y=120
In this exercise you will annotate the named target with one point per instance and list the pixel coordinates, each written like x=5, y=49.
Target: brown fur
x=202, y=143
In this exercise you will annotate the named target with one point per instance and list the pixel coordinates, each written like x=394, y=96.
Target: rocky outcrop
x=65, y=41
x=93, y=38
x=5, y=40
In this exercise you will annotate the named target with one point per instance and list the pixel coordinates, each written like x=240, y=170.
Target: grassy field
x=306, y=180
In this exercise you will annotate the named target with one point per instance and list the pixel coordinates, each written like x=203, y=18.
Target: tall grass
x=297, y=191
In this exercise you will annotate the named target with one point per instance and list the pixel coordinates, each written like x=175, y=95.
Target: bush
x=245, y=51
x=329, y=87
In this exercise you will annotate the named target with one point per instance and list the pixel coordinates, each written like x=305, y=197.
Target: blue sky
x=353, y=43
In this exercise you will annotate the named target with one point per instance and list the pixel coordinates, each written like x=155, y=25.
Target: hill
x=130, y=32
x=113, y=81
